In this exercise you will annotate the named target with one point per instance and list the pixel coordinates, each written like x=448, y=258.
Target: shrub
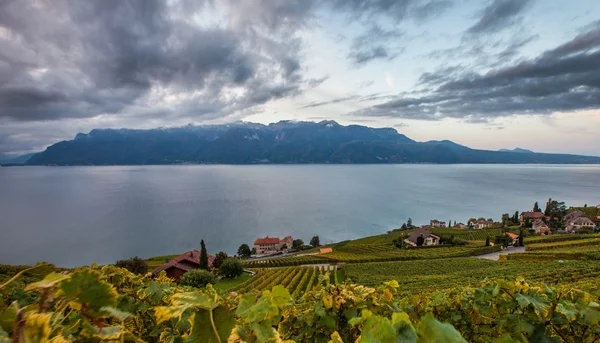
x=197, y=278
x=460, y=241
x=219, y=258
x=231, y=268
x=135, y=265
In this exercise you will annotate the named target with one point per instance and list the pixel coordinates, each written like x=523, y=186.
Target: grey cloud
x=73, y=59
x=375, y=43
x=395, y=10
x=499, y=14
x=566, y=78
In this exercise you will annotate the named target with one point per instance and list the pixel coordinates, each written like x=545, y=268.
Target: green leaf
x=377, y=329
x=404, y=328
x=335, y=338
x=9, y=317
x=567, y=310
x=202, y=330
x=539, y=335
x=541, y=307
x=48, y=282
x=4, y=337
x=115, y=313
x=430, y=330
x=506, y=339
x=88, y=293
x=204, y=301
x=164, y=313
x=280, y=296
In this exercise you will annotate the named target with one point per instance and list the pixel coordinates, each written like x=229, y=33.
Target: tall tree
x=409, y=223
x=547, y=209
x=315, y=241
x=487, y=241
x=244, y=251
x=516, y=217
x=521, y=238
x=203, y=256
x=297, y=244
x=450, y=223
x=536, y=208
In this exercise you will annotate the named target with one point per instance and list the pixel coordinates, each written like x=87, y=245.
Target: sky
x=486, y=74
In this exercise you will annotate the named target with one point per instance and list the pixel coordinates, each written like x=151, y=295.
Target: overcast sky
x=486, y=74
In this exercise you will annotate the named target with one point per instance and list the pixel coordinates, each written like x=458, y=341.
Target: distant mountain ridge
x=277, y=143
x=524, y=151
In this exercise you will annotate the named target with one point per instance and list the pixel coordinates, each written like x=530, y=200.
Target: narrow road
x=495, y=255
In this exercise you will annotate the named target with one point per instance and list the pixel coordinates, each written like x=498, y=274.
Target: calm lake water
x=74, y=216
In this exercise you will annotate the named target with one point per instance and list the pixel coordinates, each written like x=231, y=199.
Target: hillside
x=277, y=143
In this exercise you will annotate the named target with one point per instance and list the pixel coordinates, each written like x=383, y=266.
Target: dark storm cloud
x=76, y=59
x=565, y=78
x=499, y=14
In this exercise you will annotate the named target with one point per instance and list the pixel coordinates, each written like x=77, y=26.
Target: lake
x=73, y=216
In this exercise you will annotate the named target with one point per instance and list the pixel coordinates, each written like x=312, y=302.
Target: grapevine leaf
x=335, y=338
x=9, y=317
x=280, y=296
x=430, y=330
x=539, y=335
x=202, y=330
x=392, y=284
x=567, y=310
x=506, y=339
x=118, y=314
x=328, y=301
x=87, y=292
x=404, y=328
x=49, y=281
x=541, y=307
x=164, y=313
x=37, y=327
x=377, y=329
x=204, y=301
x=4, y=337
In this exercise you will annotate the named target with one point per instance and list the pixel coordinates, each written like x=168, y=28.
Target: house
x=269, y=245
x=540, y=227
x=325, y=250
x=514, y=237
x=482, y=224
x=437, y=223
x=179, y=265
x=531, y=216
x=573, y=215
x=428, y=238
x=580, y=223
x=460, y=226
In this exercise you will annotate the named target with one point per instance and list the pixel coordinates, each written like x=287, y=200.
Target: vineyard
x=424, y=276
x=296, y=280
x=110, y=304
x=590, y=242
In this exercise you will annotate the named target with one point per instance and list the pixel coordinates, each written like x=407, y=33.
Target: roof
x=288, y=239
x=325, y=250
x=512, y=235
x=415, y=234
x=184, y=261
x=539, y=222
x=267, y=240
x=532, y=214
x=573, y=215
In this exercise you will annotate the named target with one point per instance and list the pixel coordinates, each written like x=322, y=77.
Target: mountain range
x=282, y=142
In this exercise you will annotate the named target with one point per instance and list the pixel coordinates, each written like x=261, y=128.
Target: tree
x=503, y=239
x=409, y=223
x=253, y=251
x=516, y=217
x=556, y=209
x=315, y=241
x=231, y=268
x=536, y=208
x=487, y=241
x=197, y=278
x=521, y=238
x=135, y=265
x=420, y=241
x=546, y=210
x=203, y=256
x=244, y=251
x=454, y=223
x=404, y=227
x=219, y=258
x=450, y=223
x=297, y=244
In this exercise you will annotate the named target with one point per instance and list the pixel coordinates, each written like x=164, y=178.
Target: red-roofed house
x=179, y=265
x=514, y=237
x=270, y=245
x=531, y=216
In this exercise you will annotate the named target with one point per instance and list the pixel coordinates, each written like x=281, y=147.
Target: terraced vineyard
x=574, y=249
x=423, y=276
x=283, y=261
x=296, y=280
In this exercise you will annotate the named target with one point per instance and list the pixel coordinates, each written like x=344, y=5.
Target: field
x=297, y=280
x=424, y=276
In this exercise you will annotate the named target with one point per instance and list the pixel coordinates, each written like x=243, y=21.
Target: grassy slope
x=225, y=284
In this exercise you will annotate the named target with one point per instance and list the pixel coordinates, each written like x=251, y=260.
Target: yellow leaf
x=388, y=295
x=328, y=301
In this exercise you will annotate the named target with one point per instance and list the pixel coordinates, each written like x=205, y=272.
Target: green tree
x=487, y=241
x=219, y=258
x=297, y=244
x=521, y=238
x=244, y=251
x=197, y=278
x=203, y=256
x=136, y=265
x=450, y=223
x=253, y=251
x=536, y=208
x=231, y=268
x=556, y=209
x=315, y=241
x=516, y=217
x=547, y=209
x=409, y=223
x=404, y=227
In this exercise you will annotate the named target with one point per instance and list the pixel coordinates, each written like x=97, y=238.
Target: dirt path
x=494, y=256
